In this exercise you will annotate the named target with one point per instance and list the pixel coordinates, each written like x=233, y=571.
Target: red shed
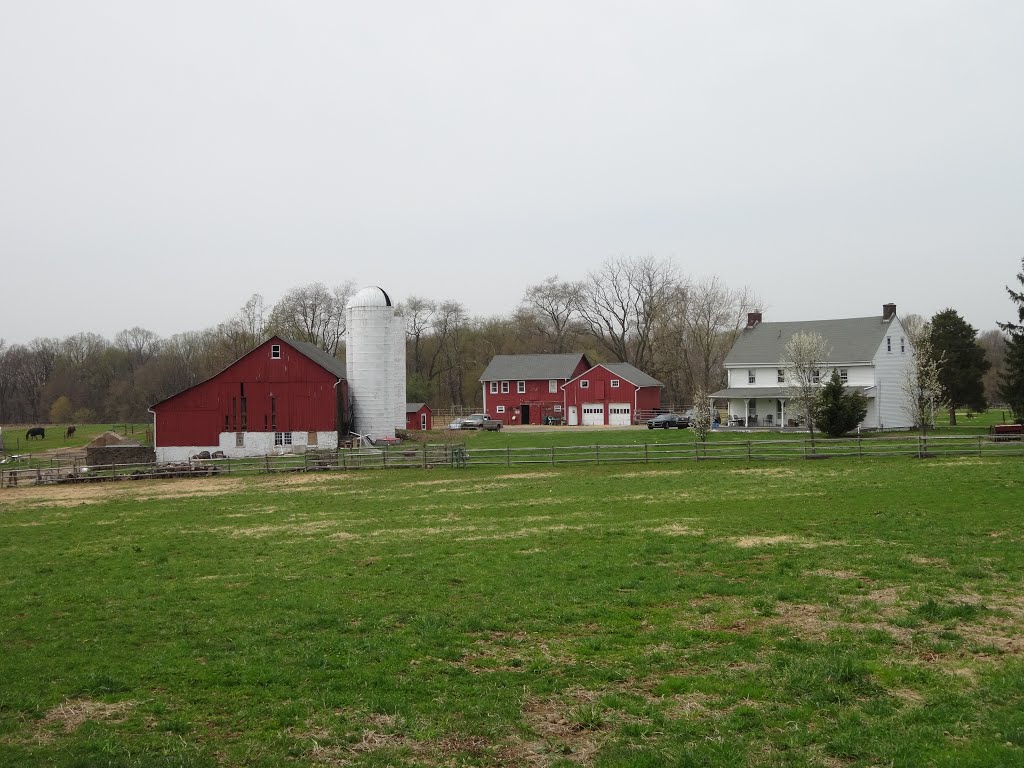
x=527, y=389
x=610, y=393
x=418, y=416
x=283, y=396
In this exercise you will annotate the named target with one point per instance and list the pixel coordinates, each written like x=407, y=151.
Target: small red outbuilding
x=418, y=417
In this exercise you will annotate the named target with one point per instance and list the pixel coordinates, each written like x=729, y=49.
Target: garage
x=593, y=414
x=619, y=414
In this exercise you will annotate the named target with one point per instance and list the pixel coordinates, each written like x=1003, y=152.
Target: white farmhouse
x=872, y=355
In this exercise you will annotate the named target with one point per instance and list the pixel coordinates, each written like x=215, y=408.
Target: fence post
x=803, y=443
x=597, y=453
x=552, y=455
x=979, y=445
x=750, y=449
x=646, y=457
x=508, y=456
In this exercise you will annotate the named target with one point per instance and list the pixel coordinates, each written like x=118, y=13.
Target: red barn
x=282, y=397
x=527, y=389
x=418, y=416
x=610, y=393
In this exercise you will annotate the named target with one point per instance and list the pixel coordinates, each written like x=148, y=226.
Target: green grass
x=815, y=614
x=14, y=440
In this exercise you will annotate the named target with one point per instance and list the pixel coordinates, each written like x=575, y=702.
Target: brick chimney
x=753, y=318
x=888, y=311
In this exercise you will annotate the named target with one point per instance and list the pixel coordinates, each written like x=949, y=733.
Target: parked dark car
x=668, y=420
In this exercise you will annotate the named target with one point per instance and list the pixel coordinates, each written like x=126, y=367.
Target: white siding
x=890, y=372
x=254, y=444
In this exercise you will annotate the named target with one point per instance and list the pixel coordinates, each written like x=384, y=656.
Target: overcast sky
x=161, y=162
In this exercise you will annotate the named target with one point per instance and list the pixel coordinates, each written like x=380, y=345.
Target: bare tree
x=622, y=302
x=138, y=345
x=922, y=386
x=994, y=344
x=554, y=306
x=313, y=313
x=419, y=319
x=804, y=363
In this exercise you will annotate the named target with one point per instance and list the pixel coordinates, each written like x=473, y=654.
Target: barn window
x=273, y=414
x=275, y=351
x=312, y=438
x=552, y=385
x=615, y=384
x=239, y=439
x=226, y=423
x=494, y=387
x=499, y=409
x=245, y=415
x=521, y=387
x=282, y=438
x=504, y=387
x=584, y=384
x=558, y=409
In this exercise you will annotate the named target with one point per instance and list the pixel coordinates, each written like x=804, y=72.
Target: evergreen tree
x=837, y=412
x=963, y=362
x=1012, y=388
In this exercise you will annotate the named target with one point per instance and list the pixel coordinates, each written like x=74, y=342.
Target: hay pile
x=111, y=438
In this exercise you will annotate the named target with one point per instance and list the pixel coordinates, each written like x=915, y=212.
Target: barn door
x=574, y=419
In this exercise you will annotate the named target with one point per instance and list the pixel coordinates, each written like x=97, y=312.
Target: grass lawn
x=14, y=440
x=842, y=613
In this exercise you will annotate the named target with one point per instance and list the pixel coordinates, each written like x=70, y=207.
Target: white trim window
x=903, y=346
x=504, y=387
x=552, y=386
x=520, y=387
x=751, y=376
x=614, y=384
x=499, y=409
x=282, y=438
x=816, y=376
x=780, y=376
x=888, y=343
x=494, y=387
x=844, y=375
x=584, y=384
x=558, y=408
x=275, y=351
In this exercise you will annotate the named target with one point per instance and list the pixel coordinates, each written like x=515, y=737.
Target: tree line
x=640, y=310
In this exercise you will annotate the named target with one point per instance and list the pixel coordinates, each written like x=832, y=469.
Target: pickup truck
x=481, y=421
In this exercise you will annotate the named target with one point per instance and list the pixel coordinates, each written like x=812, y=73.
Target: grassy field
x=14, y=440
x=818, y=614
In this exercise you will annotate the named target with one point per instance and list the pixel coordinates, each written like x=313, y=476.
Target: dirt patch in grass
x=928, y=560
x=838, y=574
x=650, y=473
x=67, y=716
x=748, y=542
x=524, y=475
x=522, y=533
x=675, y=529
x=262, y=531
x=765, y=472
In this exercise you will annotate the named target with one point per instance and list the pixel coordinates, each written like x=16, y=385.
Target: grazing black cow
x=69, y=432
x=35, y=432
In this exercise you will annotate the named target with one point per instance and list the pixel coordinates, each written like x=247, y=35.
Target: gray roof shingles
x=508, y=367
x=850, y=340
x=318, y=356
x=632, y=374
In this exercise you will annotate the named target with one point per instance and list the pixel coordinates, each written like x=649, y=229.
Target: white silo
x=373, y=359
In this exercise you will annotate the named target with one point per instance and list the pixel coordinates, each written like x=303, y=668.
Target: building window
x=552, y=386
x=226, y=424
x=494, y=387
x=239, y=439
x=282, y=438
x=903, y=346
x=816, y=376
x=499, y=409
x=520, y=387
x=844, y=375
x=244, y=426
x=615, y=384
x=751, y=376
x=584, y=384
x=781, y=376
x=504, y=387
x=312, y=438
x=273, y=414
x=888, y=344
x=558, y=408
x=275, y=351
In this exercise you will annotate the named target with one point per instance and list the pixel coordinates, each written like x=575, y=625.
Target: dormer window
x=275, y=351
x=584, y=384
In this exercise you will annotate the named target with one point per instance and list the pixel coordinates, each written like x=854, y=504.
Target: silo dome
x=371, y=296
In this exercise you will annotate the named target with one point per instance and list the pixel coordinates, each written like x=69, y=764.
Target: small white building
x=872, y=355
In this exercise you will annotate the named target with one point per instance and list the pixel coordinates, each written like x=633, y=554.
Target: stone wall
x=119, y=454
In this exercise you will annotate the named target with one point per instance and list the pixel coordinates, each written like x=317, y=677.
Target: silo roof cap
x=371, y=296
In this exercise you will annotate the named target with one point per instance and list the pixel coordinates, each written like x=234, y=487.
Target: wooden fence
x=458, y=456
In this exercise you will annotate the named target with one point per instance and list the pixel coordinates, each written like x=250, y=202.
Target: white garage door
x=593, y=413
x=618, y=414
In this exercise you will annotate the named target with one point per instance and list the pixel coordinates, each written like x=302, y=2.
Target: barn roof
x=505, y=367
x=626, y=371
x=849, y=340
x=318, y=356
x=414, y=407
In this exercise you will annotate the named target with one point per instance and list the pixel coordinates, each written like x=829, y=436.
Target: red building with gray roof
x=610, y=393
x=527, y=389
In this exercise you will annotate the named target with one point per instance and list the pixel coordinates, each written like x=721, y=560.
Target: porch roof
x=754, y=393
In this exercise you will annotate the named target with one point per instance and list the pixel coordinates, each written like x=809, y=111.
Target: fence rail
x=458, y=456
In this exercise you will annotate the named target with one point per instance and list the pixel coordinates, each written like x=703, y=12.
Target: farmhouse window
x=552, y=386
x=844, y=375
x=816, y=376
x=903, y=345
x=239, y=439
x=494, y=387
x=751, y=376
x=584, y=384
x=499, y=409
x=888, y=344
x=504, y=387
x=615, y=384
x=275, y=351
x=520, y=387
x=780, y=376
